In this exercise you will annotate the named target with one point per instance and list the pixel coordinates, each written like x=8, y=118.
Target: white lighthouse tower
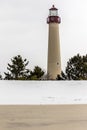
x=54, y=58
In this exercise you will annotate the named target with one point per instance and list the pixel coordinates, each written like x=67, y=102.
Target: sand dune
x=43, y=117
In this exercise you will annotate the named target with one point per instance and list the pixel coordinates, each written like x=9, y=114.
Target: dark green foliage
x=17, y=70
x=59, y=77
x=36, y=74
x=77, y=68
x=8, y=76
x=0, y=77
x=62, y=76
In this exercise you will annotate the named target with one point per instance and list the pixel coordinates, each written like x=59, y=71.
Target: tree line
x=76, y=69
x=18, y=70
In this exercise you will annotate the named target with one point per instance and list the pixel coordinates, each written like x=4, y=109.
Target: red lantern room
x=53, y=16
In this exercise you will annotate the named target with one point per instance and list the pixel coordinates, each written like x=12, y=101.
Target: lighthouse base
x=53, y=73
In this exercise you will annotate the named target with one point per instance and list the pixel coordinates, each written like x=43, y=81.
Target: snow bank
x=43, y=92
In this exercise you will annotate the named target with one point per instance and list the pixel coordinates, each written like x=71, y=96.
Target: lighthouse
x=54, y=57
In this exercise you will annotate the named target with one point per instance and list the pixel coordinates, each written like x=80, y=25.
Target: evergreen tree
x=77, y=68
x=0, y=77
x=36, y=74
x=17, y=70
x=62, y=76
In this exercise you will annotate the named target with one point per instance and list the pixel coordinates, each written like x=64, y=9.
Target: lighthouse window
x=53, y=12
x=57, y=63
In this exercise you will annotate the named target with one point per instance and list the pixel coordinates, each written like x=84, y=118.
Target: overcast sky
x=24, y=31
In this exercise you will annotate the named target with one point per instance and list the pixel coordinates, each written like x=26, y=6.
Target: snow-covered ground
x=43, y=92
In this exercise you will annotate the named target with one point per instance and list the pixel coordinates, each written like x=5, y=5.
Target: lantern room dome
x=53, y=16
x=53, y=8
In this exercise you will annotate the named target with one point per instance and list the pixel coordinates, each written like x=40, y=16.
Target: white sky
x=23, y=30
